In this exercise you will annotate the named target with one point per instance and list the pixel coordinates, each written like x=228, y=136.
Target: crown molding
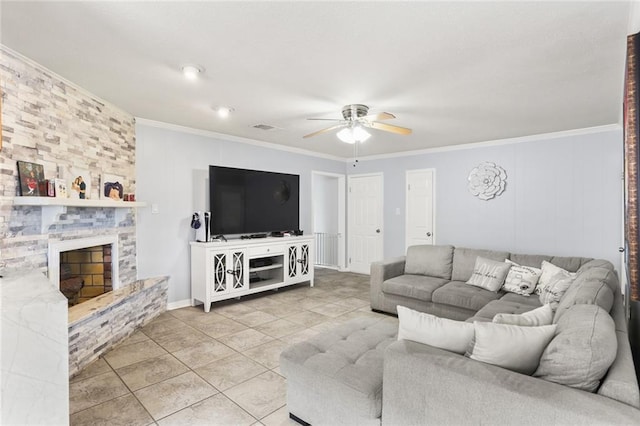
x=231, y=138
x=498, y=142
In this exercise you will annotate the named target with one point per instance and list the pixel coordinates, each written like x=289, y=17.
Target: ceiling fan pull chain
x=355, y=154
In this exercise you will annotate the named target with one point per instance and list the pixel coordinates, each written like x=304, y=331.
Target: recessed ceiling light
x=191, y=72
x=223, y=111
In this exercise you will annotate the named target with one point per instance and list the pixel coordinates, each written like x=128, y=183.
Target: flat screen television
x=251, y=201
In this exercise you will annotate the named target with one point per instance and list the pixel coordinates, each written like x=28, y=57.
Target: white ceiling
x=454, y=72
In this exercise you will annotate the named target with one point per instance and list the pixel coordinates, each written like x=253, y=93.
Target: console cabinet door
x=228, y=271
x=237, y=270
x=298, y=262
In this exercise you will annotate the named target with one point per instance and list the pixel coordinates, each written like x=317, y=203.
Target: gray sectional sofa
x=359, y=373
x=433, y=279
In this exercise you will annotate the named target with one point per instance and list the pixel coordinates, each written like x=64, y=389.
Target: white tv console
x=224, y=270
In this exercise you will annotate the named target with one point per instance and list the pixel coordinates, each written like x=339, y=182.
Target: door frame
x=342, y=213
x=349, y=227
x=406, y=203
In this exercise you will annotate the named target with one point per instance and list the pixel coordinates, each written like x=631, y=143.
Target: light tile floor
x=188, y=367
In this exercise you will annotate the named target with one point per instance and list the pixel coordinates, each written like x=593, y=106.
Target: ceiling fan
x=354, y=121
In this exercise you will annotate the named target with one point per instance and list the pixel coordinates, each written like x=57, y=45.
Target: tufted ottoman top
x=348, y=357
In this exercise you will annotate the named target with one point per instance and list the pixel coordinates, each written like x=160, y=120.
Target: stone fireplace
x=52, y=122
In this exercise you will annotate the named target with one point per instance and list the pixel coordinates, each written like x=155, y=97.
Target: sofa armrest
x=380, y=272
x=424, y=385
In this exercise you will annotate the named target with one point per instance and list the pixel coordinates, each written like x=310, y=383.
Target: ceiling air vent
x=264, y=127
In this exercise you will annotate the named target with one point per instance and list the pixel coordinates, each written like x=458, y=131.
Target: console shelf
x=266, y=268
x=221, y=270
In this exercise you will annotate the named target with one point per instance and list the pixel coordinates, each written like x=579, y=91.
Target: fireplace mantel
x=52, y=207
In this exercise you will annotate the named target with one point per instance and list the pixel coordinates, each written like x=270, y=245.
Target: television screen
x=252, y=201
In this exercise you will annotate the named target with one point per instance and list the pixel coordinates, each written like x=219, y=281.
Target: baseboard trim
x=179, y=304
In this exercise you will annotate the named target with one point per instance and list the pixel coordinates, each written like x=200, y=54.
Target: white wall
x=563, y=196
x=171, y=166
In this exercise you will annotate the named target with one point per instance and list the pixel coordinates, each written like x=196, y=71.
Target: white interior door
x=420, y=207
x=365, y=221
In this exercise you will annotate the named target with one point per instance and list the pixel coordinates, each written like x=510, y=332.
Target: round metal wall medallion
x=487, y=180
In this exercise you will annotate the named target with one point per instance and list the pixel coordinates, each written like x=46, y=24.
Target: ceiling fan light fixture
x=360, y=134
x=353, y=134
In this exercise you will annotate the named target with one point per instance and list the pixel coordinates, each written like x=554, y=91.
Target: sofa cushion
x=534, y=318
x=524, y=300
x=534, y=260
x=463, y=295
x=594, y=286
x=521, y=279
x=431, y=330
x=582, y=350
x=596, y=263
x=571, y=264
x=489, y=274
x=414, y=286
x=501, y=306
x=510, y=346
x=464, y=260
x=434, y=261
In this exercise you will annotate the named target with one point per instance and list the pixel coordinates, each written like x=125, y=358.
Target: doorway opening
x=328, y=211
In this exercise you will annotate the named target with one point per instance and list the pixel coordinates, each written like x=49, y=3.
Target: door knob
x=377, y=231
x=621, y=249
x=428, y=234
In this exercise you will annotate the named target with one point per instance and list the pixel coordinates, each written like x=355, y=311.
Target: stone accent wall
x=49, y=121
x=108, y=319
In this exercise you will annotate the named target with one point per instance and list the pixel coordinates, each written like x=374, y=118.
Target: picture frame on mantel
x=60, y=188
x=80, y=184
x=111, y=187
x=30, y=175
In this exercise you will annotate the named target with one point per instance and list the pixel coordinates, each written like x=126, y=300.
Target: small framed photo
x=30, y=175
x=80, y=184
x=111, y=187
x=60, y=186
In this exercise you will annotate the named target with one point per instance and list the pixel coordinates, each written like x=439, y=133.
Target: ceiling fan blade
x=379, y=116
x=328, y=129
x=389, y=128
x=325, y=119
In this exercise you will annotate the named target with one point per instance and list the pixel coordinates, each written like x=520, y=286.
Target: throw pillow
x=521, y=279
x=555, y=289
x=537, y=317
x=489, y=274
x=549, y=270
x=431, y=330
x=510, y=346
x=583, y=349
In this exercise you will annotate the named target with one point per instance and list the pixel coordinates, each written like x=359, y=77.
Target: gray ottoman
x=335, y=377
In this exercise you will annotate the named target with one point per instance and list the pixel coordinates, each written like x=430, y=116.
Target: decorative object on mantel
x=487, y=180
x=80, y=184
x=30, y=175
x=111, y=187
x=60, y=188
